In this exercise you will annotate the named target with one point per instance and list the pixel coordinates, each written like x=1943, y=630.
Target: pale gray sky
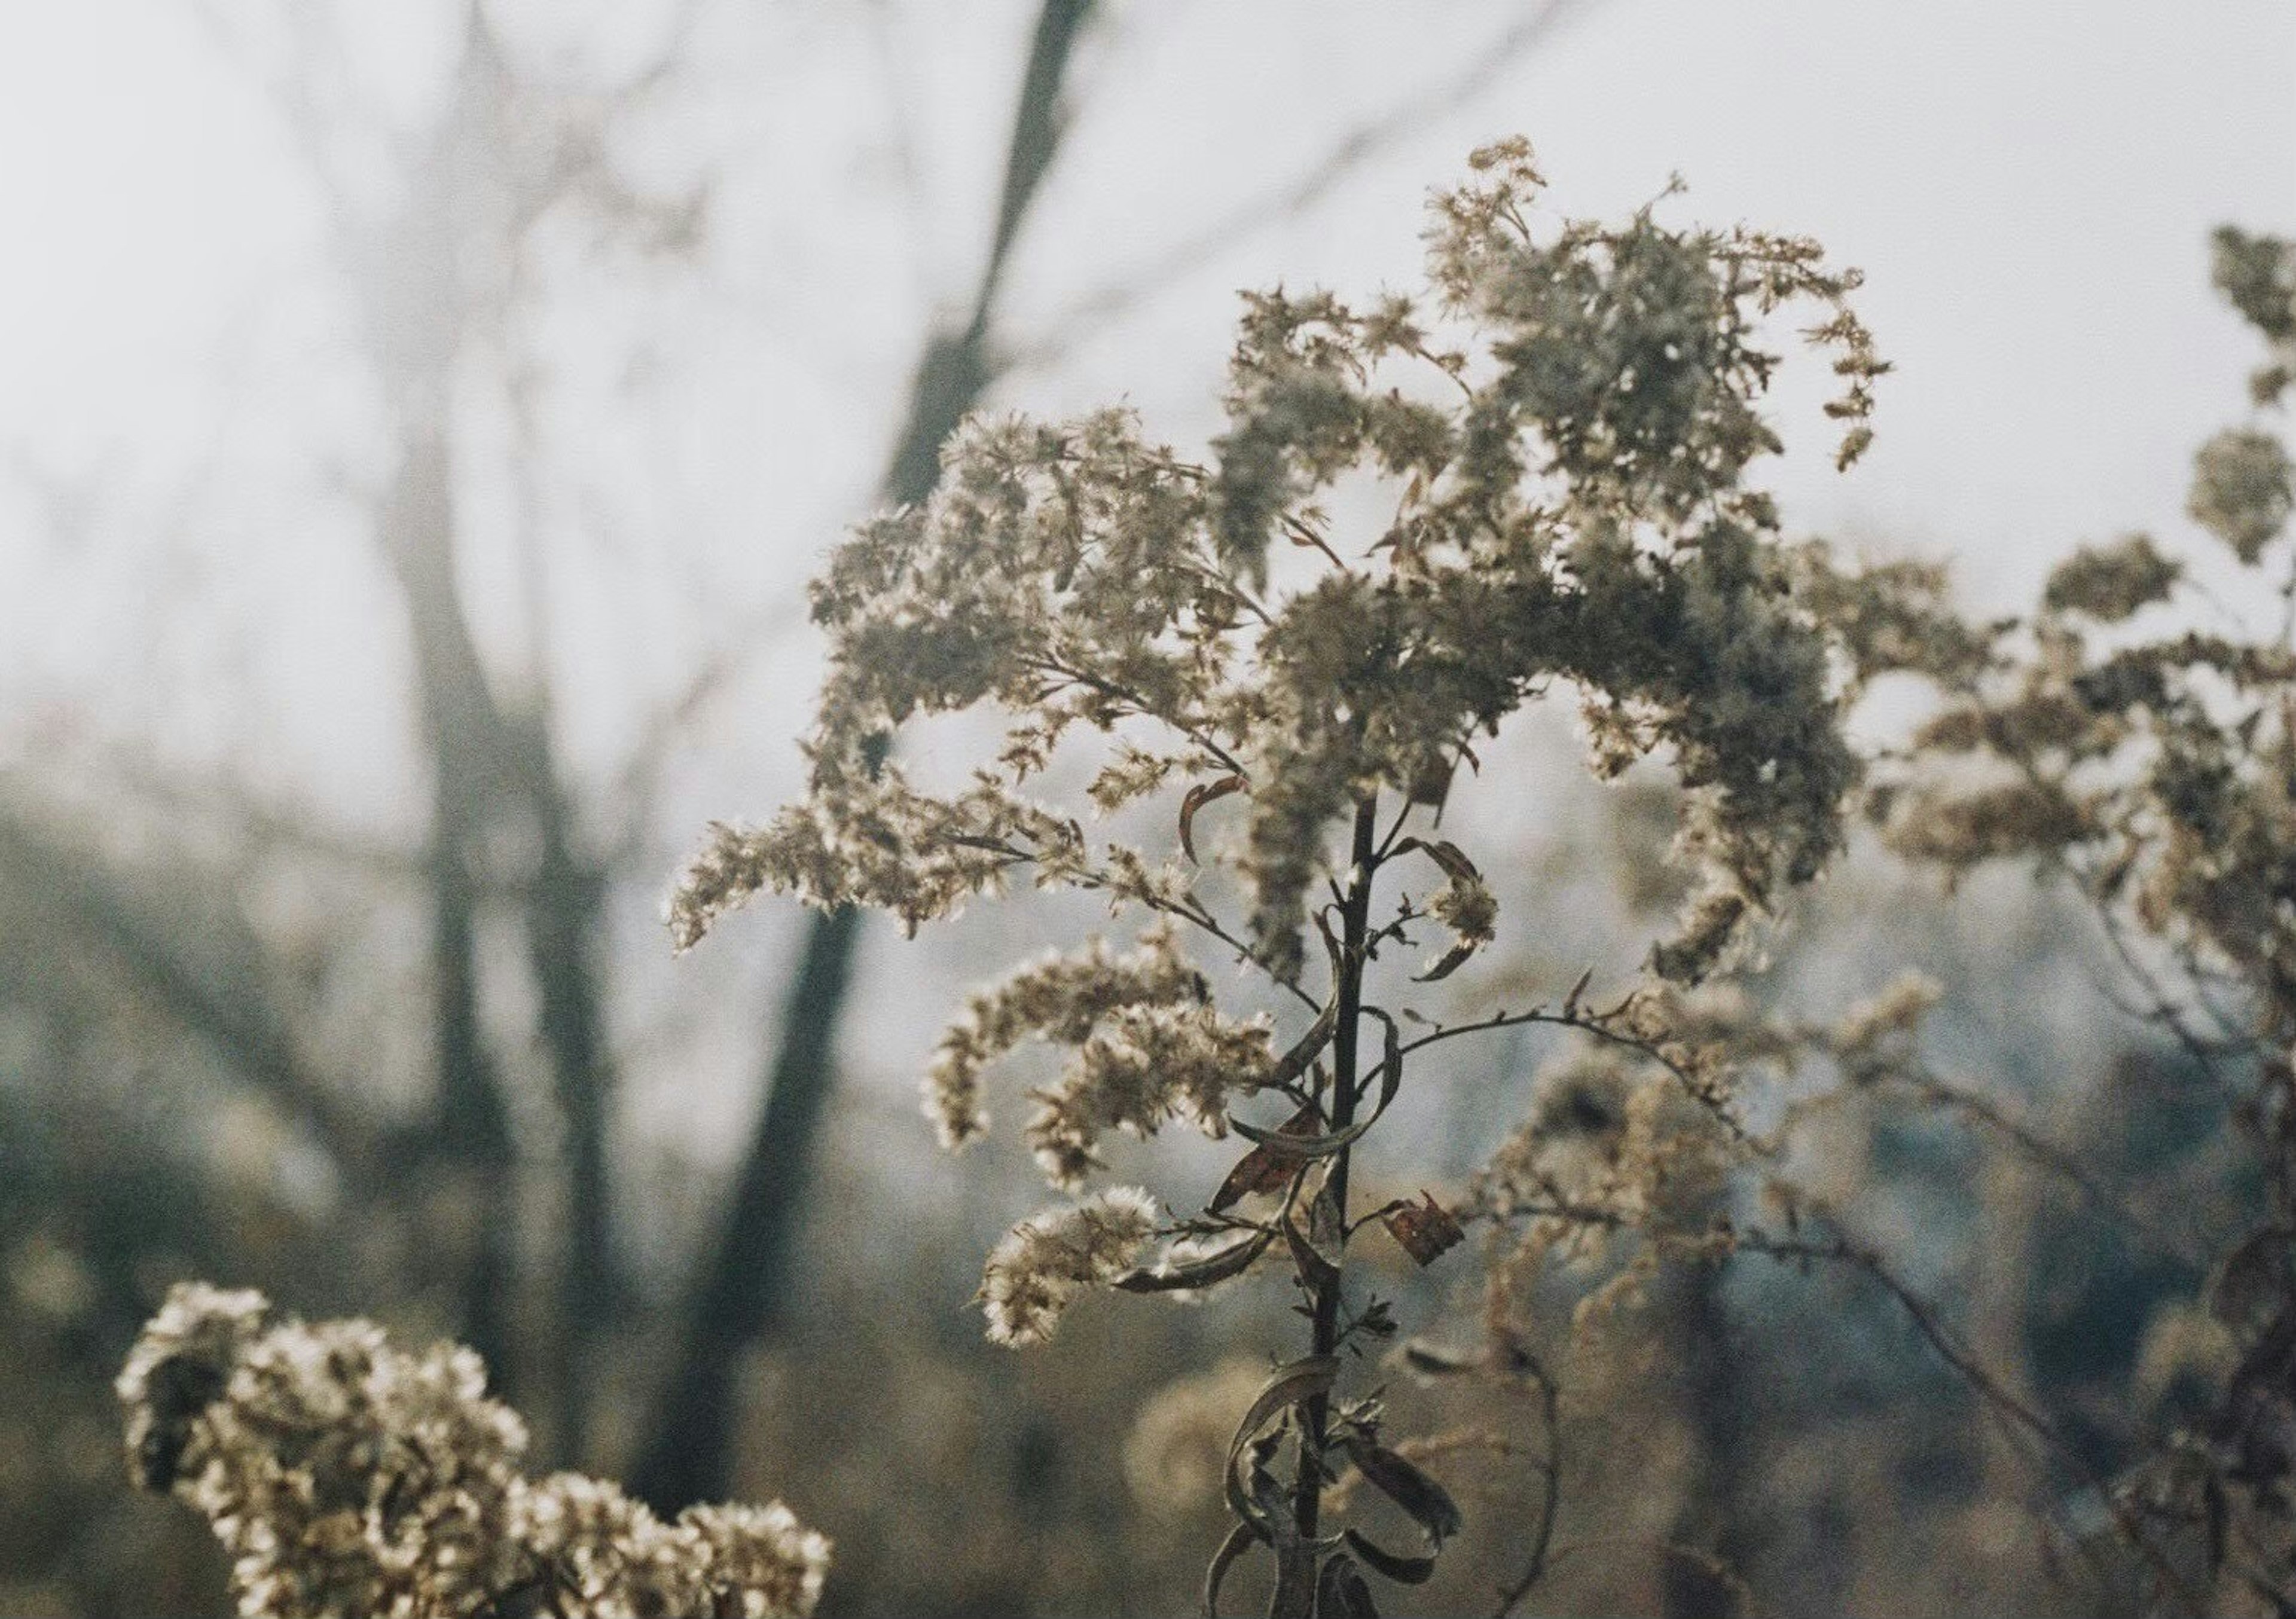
x=2029, y=185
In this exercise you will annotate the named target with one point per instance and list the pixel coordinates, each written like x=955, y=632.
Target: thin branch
x=1542, y=1540
x=1600, y=1025
x=1996, y=1394
x=88, y=898
x=1139, y=705
x=2145, y=1225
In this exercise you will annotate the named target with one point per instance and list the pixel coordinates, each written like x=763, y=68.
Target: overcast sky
x=2027, y=183
x=2029, y=186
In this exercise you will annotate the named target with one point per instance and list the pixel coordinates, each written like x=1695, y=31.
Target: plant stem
x=1355, y=916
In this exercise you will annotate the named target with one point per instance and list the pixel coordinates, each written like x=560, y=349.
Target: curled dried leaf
x=1448, y=962
x=1289, y=1384
x=1198, y=795
x=1294, y=1062
x=1218, y=1266
x=1404, y=1483
x=1389, y=1074
x=1315, y=1246
x=1402, y=1570
x=1262, y=1169
x=1445, y=854
x=1341, y=1592
x=1426, y=1230
x=1239, y=1540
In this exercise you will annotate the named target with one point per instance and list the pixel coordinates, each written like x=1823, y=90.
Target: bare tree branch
x=85, y=897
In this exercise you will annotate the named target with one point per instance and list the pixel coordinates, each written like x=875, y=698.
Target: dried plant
x=1560, y=435
x=347, y=1478
x=2149, y=763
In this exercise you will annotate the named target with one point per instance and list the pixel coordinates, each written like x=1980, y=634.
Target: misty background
x=417, y=425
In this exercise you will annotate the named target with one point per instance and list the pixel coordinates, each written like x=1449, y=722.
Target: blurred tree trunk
x=1712, y=1519
x=741, y=1290
x=472, y=1124
x=497, y=159
x=485, y=764
x=564, y=906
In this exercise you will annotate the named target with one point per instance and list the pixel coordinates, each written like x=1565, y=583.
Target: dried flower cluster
x=348, y=1478
x=1560, y=435
x=1570, y=508
x=2152, y=766
x=1047, y=1259
x=2154, y=769
x=1149, y=1047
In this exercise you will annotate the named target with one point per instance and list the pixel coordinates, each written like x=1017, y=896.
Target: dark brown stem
x=1354, y=920
x=1542, y=1539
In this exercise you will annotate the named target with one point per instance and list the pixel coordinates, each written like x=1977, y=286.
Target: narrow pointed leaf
x=1341, y=1592
x=1287, y=1386
x=1391, y=1077
x=1402, y=1482
x=1448, y=963
x=1261, y=1170
x=1198, y=795
x=1294, y=1062
x=1218, y=1266
x=1296, y=1147
x=1449, y=855
x=1315, y=1264
x=1403, y=1571
x=1239, y=1540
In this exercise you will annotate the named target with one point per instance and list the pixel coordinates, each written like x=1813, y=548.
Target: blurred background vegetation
x=419, y=422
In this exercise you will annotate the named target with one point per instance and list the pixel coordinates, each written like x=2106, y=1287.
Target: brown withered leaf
x=1198, y=795
x=1390, y=1074
x=1314, y=1245
x=1271, y=1521
x=1218, y=1266
x=1402, y=1482
x=1294, y=1062
x=1239, y=1540
x=1287, y=1385
x=1341, y=1592
x=1432, y=1361
x=1445, y=854
x=1425, y=1230
x=1403, y=1571
x=1448, y=963
x=1300, y=1148
x=1263, y=1169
